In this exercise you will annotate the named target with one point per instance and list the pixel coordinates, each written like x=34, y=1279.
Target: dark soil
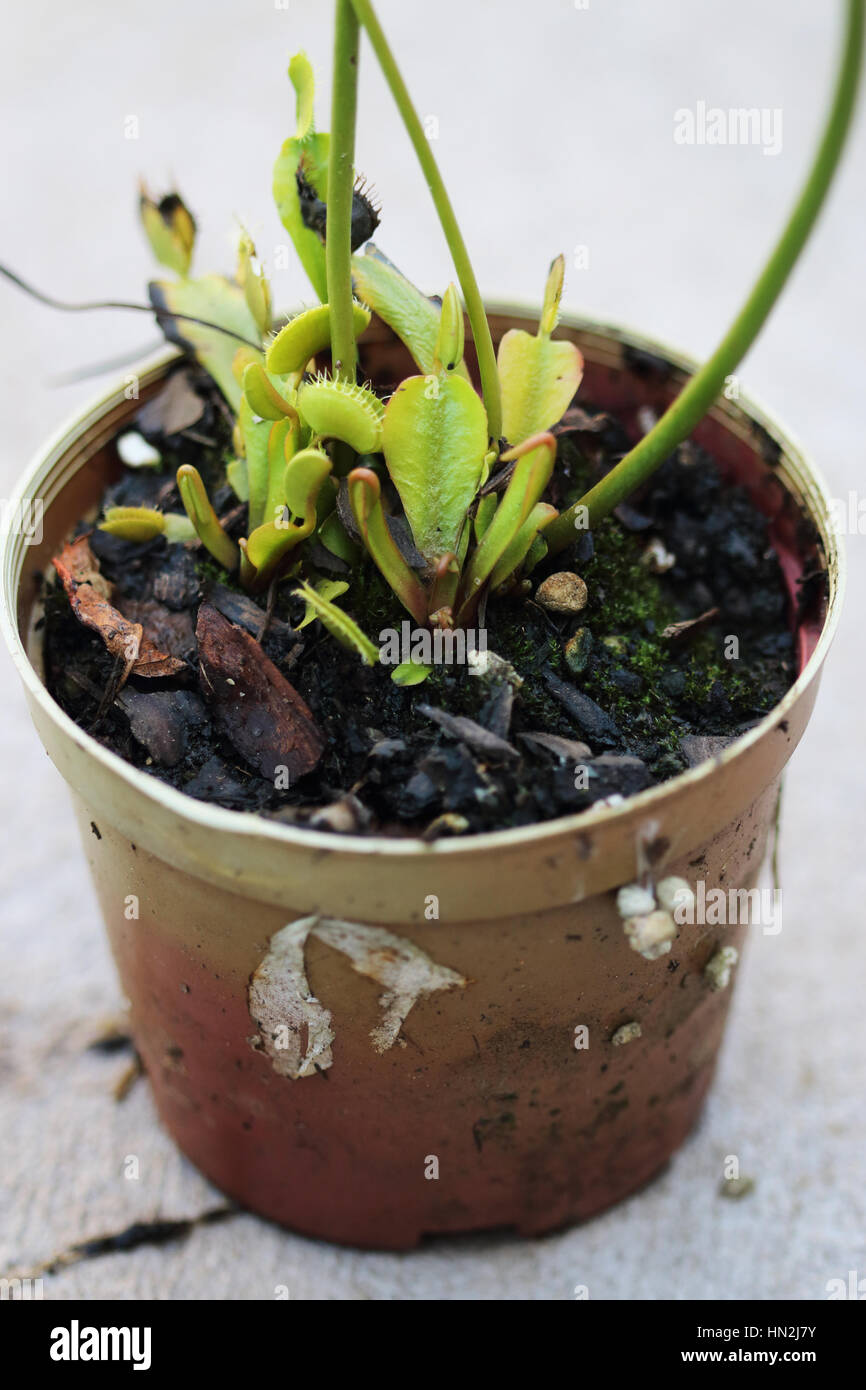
x=631, y=703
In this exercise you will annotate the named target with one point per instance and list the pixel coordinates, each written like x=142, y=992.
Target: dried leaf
x=122, y=638
x=690, y=626
x=177, y=407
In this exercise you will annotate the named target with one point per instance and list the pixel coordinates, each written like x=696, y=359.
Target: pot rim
x=220, y=819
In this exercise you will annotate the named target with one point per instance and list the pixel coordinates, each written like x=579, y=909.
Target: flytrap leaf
x=145, y=524
x=170, y=228
x=434, y=438
x=265, y=396
x=535, y=458
x=203, y=517
x=255, y=436
x=521, y=543
x=338, y=409
x=254, y=283
x=294, y=500
x=306, y=335
x=365, y=498
x=338, y=623
x=538, y=376
x=306, y=154
x=412, y=316
x=219, y=300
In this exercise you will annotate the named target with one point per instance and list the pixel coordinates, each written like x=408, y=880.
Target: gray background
x=555, y=131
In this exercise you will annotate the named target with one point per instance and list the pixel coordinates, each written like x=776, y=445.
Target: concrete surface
x=555, y=132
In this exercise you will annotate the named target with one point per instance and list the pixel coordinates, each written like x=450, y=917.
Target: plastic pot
x=372, y=1040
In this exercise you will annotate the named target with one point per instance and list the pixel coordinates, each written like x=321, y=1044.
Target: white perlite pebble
x=626, y=1033
x=675, y=893
x=135, y=451
x=657, y=558
x=651, y=934
x=487, y=663
x=717, y=971
x=633, y=900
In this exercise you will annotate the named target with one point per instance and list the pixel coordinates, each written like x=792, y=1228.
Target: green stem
x=341, y=183
x=456, y=245
x=702, y=390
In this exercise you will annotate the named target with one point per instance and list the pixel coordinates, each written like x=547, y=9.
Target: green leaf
x=538, y=376
x=236, y=473
x=336, y=539
x=219, y=300
x=484, y=514
x=412, y=316
x=327, y=589
x=338, y=623
x=410, y=673
x=434, y=438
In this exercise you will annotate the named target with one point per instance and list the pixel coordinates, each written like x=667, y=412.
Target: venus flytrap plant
x=301, y=432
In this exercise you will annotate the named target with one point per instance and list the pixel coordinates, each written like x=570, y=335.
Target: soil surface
x=574, y=707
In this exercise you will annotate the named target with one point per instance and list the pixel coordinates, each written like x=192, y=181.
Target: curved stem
x=702, y=390
x=456, y=245
x=341, y=183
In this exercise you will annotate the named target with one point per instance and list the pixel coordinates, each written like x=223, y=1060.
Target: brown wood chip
x=253, y=705
x=571, y=749
x=475, y=736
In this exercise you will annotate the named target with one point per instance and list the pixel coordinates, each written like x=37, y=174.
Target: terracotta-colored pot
x=324, y=1046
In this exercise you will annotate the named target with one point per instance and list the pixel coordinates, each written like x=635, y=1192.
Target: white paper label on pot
x=286, y=1011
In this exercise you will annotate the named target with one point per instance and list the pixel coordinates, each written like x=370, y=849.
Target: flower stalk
x=341, y=182
x=456, y=245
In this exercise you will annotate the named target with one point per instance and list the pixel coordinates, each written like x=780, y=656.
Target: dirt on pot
x=651, y=644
